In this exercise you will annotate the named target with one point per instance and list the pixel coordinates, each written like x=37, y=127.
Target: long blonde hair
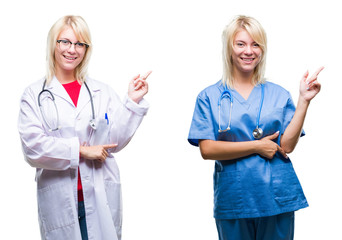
x=80, y=27
x=254, y=28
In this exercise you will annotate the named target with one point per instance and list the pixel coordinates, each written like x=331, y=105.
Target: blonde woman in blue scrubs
x=248, y=125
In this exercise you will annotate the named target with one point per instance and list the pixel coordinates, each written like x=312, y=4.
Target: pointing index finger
x=315, y=75
x=107, y=146
x=318, y=71
x=146, y=75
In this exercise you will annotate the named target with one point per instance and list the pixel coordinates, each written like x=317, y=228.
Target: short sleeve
x=202, y=122
x=289, y=113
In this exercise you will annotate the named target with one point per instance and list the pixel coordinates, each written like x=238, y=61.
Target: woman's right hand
x=268, y=148
x=98, y=152
x=138, y=87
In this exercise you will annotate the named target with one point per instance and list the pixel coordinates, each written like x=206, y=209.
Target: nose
x=248, y=50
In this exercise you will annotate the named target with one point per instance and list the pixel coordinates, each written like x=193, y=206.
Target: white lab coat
x=55, y=155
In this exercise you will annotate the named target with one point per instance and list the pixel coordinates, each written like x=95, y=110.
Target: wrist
x=302, y=102
x=256, y=146
x=82, y=151
x=134, y=99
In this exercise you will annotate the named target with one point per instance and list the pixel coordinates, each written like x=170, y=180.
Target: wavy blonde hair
x=80, y=27
x=254, y=28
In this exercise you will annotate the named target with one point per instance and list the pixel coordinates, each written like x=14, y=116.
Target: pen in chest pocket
x=106, y=117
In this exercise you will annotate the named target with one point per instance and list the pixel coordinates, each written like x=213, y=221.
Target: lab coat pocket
x=55, y=207
x=228, y=192
x=113, y=192
x=286, y=185
x=101, y=134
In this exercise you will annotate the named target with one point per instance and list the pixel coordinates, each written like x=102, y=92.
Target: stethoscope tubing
x=226, y=91
x=91, y=101
x=91, y=122
x=257, y=132
x=260, y=106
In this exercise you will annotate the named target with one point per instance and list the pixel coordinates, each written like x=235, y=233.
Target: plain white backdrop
x=167, y=187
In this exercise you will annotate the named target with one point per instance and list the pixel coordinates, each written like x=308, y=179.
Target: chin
x=68, y=67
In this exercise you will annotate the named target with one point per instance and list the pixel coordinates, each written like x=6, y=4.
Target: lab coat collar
x=93, y=85
x=55, y=84
x=57, y=89
x=84, y=98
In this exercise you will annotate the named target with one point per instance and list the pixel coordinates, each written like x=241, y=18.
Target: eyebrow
x=235, y=41
x=69, y=40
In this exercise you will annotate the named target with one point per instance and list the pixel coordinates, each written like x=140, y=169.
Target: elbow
x=289, y=144
x=205, y=155
x=288, y=148
x=34, y=162
x=40, y=161
x=205, y=151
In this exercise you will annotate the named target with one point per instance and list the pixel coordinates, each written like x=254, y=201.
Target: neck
x=65, y=77
x=243, y=78
x=243, y=84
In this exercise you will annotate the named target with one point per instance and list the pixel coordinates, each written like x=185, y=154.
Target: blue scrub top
x=251, y=186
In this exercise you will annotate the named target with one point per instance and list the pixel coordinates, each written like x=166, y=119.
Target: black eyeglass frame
x=70, y=43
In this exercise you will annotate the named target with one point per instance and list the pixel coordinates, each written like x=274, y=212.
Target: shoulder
x=96, y=85
x=34, y=88
x=272, y=88
x=102, y=88
x=91, y=82
x=37, y=84
x=211, y=91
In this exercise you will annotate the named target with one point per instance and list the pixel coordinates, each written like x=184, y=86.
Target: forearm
x=309, y=88
x=293, y=131
x=223, y=150
x=52, y=154
x=126, y=121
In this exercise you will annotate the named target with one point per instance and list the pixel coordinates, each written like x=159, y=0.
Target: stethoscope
x=91, y=122
x=257, y=132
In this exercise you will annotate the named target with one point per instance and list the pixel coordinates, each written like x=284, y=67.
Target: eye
x=256, y=45
x=240, y=44
x=80, y=45
x=65, y=42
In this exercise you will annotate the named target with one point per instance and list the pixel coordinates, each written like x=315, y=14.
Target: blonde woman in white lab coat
x=69, y=126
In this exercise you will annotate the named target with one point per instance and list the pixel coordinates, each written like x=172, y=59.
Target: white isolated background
x=167, y=187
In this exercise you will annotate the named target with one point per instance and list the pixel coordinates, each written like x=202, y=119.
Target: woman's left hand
x=138, y=87
x=309, y=87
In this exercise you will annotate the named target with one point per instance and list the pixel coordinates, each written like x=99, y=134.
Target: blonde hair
x=80, y=27
x=258, y=34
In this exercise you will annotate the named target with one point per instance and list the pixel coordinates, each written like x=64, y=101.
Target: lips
x=69, y=58
x=248, y=60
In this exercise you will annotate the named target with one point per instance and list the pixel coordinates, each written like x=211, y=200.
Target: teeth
x=70, y=58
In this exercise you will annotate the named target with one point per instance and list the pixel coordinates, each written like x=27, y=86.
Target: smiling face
x=67, y=59
x=246, y=53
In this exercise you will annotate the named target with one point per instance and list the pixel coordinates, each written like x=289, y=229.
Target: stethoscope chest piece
x=92, y=124
x=257, y=133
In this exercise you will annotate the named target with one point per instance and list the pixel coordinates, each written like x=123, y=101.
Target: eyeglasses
x=66, y=44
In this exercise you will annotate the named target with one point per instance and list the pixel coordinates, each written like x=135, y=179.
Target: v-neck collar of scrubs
x=253, y=97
